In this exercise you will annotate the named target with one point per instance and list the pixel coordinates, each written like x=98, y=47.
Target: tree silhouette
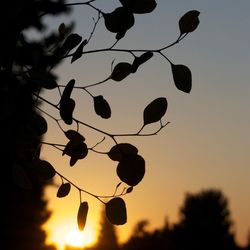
x=107, y=238
x=205, y=222
x=26, y=71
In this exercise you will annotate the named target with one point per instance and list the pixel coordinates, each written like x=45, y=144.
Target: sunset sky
x=206, y=144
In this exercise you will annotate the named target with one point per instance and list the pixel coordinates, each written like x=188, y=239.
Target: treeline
x=205, y=224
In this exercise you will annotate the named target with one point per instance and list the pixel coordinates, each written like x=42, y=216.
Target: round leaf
x=121, y=71
x=139, y=6
x=120, y=20
x=74, y=135
x=117, y=152
x=131, y=169
x=116, y=211
x=82, y=215
x=39, y=124
x=182, y=77
x=155, y=110
x=71, y=42
x=44, y=169
x=63, y=190
x=189, y=21
x=102, y=107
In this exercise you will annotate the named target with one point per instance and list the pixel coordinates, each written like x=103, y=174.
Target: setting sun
x=79, y=239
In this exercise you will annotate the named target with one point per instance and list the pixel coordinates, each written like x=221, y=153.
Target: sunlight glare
x=77, y=238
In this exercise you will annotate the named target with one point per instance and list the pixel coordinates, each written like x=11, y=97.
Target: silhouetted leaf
x=63, y=190
x=129, y=190
x=43, y=79
x=120, y=20
x=78, y=53
x=155, y=110
x=39, y=124
x=82, y=215
x=118, y=151
x=121, y=71
x=116, y=211
x=62, y=30
x=139, y=6
x=140, y=60
x=71, y=42
x=20, y=177
x=182, y=77
x=189, y=21
x=68, y=89
x=67, y=107
x=102, y=107
x=74, y=135
x=76, y=150
x=131, y=169
x=44, y=169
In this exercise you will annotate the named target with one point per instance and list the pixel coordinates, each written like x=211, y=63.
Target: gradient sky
x=207, y=143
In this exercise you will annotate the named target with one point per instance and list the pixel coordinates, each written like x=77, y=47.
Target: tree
x=26, y=71
x=107, y=238
x=205, y=223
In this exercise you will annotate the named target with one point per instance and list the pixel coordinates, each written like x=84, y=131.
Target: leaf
x=71, y=42
x=20, y=177
x=121, y=71
x=76, y=150
x=102, y=107
x=182, y=77
x=67, y=107
x=44, y=169
x=139, y=6
x=155, y=110
x=78, y=53
x=138, y=61
x=63, y=190
x=82, y=215
x=39, y=124
x=68, y=89
x=116, y=211
x=118, y=151
x=120, y=20
x=74, y=135
x=131, y=169
x=62, y=30
x=129, y=190
x=189, y=21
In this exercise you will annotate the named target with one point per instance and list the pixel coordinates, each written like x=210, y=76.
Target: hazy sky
x=207, y=143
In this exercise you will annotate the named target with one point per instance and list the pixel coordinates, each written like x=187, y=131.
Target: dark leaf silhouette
x=74, y=136
x=140, y=60
x=62, y=30
x=121, y=71
x=76, y=150
x=68, y=89
x=71, y=42
x=42, y=79
x=182, y=77
x=139, y=6
x=131, y=169
x=102, y=107
x=82, y=215
x=129, y=190
x=67, y=104
x=63, y=190
x=116, y=211
x=39, y=124
x=20, y=177
x=78, y=53
x=119, y=21
x=155, y=110
x=117, y=152
x=67, y=107
x=189, y=21
x=44, y=169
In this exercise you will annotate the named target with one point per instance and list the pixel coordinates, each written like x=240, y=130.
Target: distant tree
x=107, y=238
x=205, y=223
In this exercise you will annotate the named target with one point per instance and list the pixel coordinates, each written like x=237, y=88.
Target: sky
x=206, y=145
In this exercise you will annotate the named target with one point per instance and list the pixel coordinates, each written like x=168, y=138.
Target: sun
x=76, y=238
